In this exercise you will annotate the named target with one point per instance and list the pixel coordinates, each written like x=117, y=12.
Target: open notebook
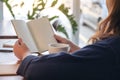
x=36, y=34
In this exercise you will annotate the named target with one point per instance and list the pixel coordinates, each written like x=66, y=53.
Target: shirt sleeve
x=25, y=64
x=89, y=61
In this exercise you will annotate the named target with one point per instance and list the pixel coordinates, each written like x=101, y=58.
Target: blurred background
x=86, y=13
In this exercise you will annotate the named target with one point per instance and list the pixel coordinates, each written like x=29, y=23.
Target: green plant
x=9, y=7
x=39, y=5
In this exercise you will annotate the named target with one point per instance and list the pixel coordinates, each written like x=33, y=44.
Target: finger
x=59, y=38
x=16, y=44
x=20, y=41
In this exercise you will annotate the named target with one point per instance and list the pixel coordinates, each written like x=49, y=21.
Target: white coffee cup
x=58, y=47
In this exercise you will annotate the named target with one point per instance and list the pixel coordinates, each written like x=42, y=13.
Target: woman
x=98, y=61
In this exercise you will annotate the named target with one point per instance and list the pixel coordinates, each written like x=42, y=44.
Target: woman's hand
x=20, y=49
x=73, y=47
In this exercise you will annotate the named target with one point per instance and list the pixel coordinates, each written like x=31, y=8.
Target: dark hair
x=111, y=25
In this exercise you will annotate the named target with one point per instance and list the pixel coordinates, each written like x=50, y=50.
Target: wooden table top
x=11, y=78
x=8, y=66
x=8, y=62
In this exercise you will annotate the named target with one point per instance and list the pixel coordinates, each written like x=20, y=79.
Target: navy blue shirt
x=99, y=61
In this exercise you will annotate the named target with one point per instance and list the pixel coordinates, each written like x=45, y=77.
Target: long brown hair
x=111, y=25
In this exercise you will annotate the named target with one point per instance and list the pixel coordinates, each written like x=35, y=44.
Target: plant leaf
x=52, y=18
x=21, y=4
x=61, y=28
x=74, y=24
x=54, y=3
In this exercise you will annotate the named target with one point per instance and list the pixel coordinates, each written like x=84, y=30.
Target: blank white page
x=22, y=31
x=42, y=32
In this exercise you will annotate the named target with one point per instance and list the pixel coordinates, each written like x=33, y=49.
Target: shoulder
x=107, y=43
x=110, y=40
x=104, y=49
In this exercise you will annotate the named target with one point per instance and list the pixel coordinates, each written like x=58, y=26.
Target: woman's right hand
x=73, y=47
x=20, y=49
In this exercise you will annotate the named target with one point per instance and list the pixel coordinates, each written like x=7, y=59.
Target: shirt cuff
x=24, y=65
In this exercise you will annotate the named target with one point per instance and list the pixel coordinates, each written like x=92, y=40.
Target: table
x=8, y=67
x=11, y=78
x=8, y=62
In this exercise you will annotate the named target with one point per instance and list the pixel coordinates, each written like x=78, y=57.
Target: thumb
x=61, y=39
x=20, y=41
x=58, y=38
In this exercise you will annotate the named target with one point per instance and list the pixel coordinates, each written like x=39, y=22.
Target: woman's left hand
x=73, y=47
